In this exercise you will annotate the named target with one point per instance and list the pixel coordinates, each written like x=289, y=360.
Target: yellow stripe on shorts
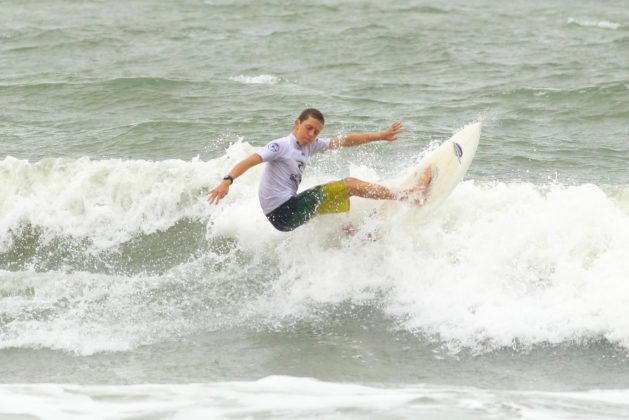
x=335, y=198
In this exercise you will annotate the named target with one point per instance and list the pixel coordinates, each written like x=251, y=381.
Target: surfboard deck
x=449, y=163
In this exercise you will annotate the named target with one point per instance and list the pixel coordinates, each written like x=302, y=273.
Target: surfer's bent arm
x=222, y=189
x=357, y=139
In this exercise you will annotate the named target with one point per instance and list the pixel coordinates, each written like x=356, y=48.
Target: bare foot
x=426, y=177
x=419, y=193
x=349, y=230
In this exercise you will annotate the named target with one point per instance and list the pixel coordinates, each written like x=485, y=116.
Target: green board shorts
x=322, y=199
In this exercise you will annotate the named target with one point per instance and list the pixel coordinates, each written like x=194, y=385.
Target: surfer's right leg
x=332, y=197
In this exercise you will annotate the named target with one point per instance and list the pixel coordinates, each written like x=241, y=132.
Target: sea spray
x=498, y=263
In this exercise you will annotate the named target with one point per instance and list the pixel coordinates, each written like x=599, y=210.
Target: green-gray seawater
x=123, y=294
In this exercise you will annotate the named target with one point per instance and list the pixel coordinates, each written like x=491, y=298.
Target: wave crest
x=499, y=264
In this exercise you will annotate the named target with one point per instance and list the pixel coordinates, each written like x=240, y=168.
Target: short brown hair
x=311, y=112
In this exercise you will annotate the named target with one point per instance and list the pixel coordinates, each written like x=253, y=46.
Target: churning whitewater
x=483, y=273
x=124, y=293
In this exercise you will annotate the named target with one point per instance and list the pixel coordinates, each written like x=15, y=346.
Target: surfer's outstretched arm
x=357, y=139
x=222, y=189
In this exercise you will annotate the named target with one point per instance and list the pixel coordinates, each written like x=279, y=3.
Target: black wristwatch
x=228, y=177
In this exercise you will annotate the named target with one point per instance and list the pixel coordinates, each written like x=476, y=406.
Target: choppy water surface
x=115, y=274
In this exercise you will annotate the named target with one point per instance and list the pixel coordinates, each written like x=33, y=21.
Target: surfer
x=287, y=158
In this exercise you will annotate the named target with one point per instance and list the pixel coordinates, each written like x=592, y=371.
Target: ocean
x=125, y=295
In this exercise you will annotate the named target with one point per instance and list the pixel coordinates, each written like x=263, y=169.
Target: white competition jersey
x=286, y=161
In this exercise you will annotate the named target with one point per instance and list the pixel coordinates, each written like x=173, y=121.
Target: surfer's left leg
x=364, y=189
x=417, y=195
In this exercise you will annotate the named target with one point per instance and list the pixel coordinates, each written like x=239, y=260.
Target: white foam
x=107, y=201
x=500, y=264
x=86, y=313
x=289, y=397
x=263, y=79
x=603, y=24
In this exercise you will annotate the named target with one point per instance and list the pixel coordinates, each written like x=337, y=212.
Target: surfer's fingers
x=213, y=197
x=391, y=133
x=396, y=128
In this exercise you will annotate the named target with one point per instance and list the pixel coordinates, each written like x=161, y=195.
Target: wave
x=125, y=87
x=294, y=397
x=263, y=79
x=425, y=10
x=601, y=102
x=105, y=201
x=99, y=255
x=600, y=93
x=603, y=24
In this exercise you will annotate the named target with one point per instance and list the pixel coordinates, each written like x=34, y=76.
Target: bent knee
x=350, y=182
x=353, y=185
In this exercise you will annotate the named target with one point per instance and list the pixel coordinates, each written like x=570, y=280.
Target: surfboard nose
x=468, y=136
x=473, y=129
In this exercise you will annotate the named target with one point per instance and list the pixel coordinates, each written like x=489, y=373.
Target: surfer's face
x=306, y=132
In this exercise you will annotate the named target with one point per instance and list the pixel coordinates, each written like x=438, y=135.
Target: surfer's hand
x=390, y=134
x=218, y=193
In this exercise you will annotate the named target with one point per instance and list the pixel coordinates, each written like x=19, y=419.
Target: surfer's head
x=308, y=126
x=311, y=113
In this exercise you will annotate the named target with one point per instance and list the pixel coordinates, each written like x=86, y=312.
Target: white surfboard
x=449, y=163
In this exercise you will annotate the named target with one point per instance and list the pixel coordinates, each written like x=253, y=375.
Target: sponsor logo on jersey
x=274, y=147
x=296, y=179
